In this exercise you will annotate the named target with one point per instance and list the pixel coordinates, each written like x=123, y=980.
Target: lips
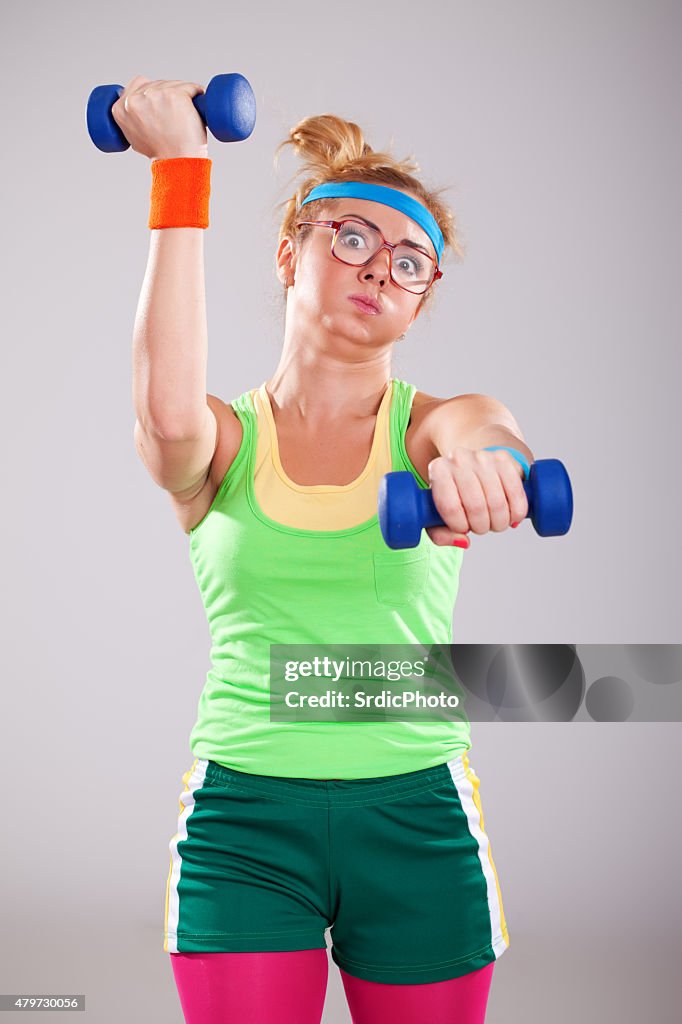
x=366, y=303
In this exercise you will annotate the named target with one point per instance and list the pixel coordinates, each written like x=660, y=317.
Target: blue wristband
x=517, y=455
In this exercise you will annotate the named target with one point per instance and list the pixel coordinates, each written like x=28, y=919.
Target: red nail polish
x=514, y=525
x=460, y=543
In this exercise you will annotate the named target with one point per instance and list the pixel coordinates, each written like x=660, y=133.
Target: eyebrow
x=405, y=241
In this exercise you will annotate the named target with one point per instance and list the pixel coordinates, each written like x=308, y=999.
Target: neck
x=323, y=391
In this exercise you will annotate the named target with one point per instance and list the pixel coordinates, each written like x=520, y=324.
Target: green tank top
x=265, y=580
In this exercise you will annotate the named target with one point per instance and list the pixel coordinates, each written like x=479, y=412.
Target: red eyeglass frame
x=337, y=224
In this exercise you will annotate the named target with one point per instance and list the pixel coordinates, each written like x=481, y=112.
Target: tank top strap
x=401, y=411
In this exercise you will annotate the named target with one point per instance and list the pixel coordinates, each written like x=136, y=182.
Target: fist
x=159, y=119
x=476, y=490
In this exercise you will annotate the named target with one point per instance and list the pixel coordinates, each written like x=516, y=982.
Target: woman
x=278, y=493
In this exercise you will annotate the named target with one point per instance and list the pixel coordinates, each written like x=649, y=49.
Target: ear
x=286, y=261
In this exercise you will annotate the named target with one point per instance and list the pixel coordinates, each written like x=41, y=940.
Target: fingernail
x=460, y=543
x=514, y=525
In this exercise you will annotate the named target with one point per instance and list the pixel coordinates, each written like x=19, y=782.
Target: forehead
x=395, y=225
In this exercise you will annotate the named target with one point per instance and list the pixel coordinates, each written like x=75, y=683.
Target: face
x=322, y=284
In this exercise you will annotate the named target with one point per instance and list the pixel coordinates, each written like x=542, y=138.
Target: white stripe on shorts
x=193, y=779
x=463, y=777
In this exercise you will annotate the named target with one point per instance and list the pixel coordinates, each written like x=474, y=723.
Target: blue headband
x=387, y=196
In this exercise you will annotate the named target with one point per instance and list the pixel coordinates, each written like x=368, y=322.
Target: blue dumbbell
x=227, y=108
x=405, y=509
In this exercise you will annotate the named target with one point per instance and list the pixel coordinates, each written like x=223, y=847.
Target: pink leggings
x=289, y=988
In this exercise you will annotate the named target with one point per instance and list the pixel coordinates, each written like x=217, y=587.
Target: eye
x=353, y=237
x=410, y=264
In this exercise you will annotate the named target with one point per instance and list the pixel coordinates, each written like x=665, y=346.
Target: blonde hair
x=333, y=149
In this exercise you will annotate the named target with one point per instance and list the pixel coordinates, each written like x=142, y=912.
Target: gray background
x=556, y=127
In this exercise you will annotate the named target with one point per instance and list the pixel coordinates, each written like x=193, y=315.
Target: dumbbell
x=405, y=509
x=227, y=108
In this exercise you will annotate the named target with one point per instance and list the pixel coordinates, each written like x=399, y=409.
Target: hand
x=476, y=490
x=159, y=119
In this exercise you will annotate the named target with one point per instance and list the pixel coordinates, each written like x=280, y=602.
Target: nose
x=380, y=263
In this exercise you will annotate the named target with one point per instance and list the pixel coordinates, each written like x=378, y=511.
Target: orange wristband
x=181, y=187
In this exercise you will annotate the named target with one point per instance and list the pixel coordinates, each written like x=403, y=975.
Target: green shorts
x=399, y=868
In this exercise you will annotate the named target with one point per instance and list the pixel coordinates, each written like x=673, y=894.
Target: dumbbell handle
x=199, y=102
x=430, y=516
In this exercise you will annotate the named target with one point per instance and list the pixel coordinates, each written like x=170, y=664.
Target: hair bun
x=326, y=142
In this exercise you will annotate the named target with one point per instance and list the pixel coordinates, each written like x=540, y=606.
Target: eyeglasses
x=356, y=243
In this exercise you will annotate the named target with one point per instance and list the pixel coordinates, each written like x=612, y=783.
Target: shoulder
x=467, y=410
x=423, y=403
x=440, y=424
x=432, y=408
x=421, y=397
